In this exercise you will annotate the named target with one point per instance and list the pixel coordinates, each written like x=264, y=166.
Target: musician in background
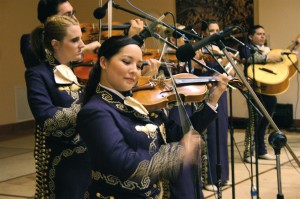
x=48, y=8
x=209, y=158
x=260, y=55
x=54, y=96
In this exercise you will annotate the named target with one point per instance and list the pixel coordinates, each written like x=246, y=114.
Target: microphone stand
x=278, y=139
x=231, y=142
x=293, y=63
x=157, y=36
x=218, y=166
x=254, y=191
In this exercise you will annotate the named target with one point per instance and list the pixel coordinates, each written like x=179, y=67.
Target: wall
x=282, y=23
x=17, y=17
x=13, y=24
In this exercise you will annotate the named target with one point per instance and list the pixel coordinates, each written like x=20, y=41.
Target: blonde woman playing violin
x=54, y=96
x=48, y=8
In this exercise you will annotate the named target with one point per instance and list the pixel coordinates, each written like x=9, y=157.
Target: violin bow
x=100, y=22
x=109, y=17
x=187, y=126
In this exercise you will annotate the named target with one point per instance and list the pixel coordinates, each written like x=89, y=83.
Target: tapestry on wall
x=227, y=12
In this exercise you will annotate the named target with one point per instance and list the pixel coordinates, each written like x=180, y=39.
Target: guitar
x=273, y=78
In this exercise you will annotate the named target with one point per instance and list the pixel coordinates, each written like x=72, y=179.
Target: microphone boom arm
x=157, y=36
x=153, y=19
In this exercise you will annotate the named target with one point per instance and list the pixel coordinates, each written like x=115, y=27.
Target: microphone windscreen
x=99, y=13
x=185, y=53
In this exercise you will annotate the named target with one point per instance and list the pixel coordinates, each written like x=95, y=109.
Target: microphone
x=286, y=53
x=146, y=32
x=100, y=12
x=187, y=51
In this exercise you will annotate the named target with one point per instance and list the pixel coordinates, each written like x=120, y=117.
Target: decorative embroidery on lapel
x=109, y=98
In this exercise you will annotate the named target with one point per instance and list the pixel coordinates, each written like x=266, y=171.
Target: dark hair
x=48, y=8
x=54, y=28
x=205, y=23
x=108, y=49
x=253, y=29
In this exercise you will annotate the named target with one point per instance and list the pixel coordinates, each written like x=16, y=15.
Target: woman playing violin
x=209, y=169
x=54, y=96
x=82, y=69
x=128, y=145
x=48, y=8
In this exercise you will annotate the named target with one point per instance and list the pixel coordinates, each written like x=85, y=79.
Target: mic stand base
x=278, y=140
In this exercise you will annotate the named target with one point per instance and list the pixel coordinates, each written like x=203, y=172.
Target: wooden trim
x=242, y=122
x=296, y=123
x=8, y=131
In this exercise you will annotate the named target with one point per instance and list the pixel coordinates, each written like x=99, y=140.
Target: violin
x=82, y=69
x=150, y=53
x=156, y=94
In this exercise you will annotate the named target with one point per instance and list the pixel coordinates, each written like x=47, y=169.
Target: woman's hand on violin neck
x=216, y=90
x=191, y=143
x=91, y=47
x=136, y=26
x=151, y=68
